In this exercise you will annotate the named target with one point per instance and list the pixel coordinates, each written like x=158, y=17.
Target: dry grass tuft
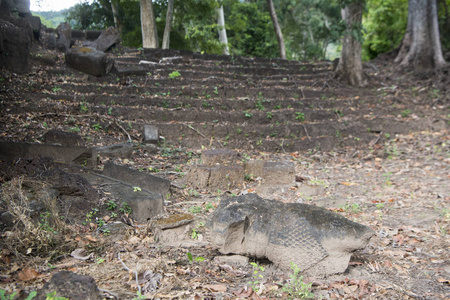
x=35, y=231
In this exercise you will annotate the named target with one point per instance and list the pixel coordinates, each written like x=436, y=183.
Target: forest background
x=312, y=29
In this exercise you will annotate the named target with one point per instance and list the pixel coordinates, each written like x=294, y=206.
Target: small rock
x=62, y=138
x=123, y=150
x=150, y=134
x=70, y=285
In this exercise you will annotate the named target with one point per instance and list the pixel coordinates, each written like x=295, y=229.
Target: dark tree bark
x=421, y=46
x=168, y=28
x=148, y=25
x=349, y=68
x=276, y=26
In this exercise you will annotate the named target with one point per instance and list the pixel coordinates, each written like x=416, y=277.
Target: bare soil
x=395, y=181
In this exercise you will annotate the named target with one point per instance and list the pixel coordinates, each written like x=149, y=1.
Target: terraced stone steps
x=222, y=101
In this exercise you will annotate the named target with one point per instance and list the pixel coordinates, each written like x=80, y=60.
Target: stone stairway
x=220, y=101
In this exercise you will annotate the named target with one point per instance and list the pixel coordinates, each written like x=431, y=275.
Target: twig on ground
x=123, y=129
x=306, y=131
x=129, y=270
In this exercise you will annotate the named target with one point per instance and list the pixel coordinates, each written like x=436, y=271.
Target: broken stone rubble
x=318, y=241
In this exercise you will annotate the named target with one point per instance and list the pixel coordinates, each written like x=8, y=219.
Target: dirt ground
x=399, y=185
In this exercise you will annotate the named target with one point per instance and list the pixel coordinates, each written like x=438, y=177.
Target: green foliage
x=300, y=116
x=296, y=288
x=174, y=75
x=3, y=295
x=311, y=25
x=249, y=28
x=256, y=276
x=385, y=24
x=51, y=296
x=95, y=16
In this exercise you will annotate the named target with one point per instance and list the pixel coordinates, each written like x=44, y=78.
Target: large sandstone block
x=271, y=172
x=216, y=177
x=135, y=178
x=66, y=154
x=318, y=241
x=64, y=33
x=89, y=61
x=107, y=39
x=219, y=156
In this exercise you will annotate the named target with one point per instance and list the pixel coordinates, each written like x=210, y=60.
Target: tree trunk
x=222, y=31
x=148, y=25
x=278, y=32
x=168, y=28
x=116, y=15
x=421, y=46
x=349, y=68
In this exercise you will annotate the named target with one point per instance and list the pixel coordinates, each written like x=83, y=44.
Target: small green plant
x=354, y=207
x=90, y=215
x=44, y=222
x=269, y=115
x=74, y=129
x=153, y=170
x=387, y=178
x=216, y=91
x=99, y=260
x=259, y=105
x=174, y=74
x=338, y=112
x=249, y=177
x=97, y=127
x=51, y=296
x=110, y=111
x=125, y=208
x=56, y=89
x=296, y=287
x=406, y=113
x=256, y=276
x=111, y=205
x=139, y=296
x=195, y=209
x=136, y=189
x=239, y=130
x=248, y=115
x=209, y=206
x=299, y=116
x=84, y=106
x=380, y=205
x=197, y=259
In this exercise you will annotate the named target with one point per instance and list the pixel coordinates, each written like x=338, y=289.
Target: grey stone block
x=135, y=178
x=219, y=156
x=216, y=177
x=271, y=172
x=66, y=154
x=123, y=150
x=150, y=134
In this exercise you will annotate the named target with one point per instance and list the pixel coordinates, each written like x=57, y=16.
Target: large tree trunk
x=116, y=14
x=421, y=47
x=168, y=28
x=222, y=31
x=278, y=32
x=349, y=68
x=148, y=25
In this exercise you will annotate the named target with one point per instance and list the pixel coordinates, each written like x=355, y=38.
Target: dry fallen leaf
x=348, y=183
x=215, y=287
x=28, y=274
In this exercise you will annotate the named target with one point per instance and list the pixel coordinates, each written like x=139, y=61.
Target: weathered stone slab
x=89, y=61
x=70, y=285
x=150, y=134
x=63, y=138
x=216, y=177
x=144, y=204
x=107, y=39
x=270, y=171
x=136, y=178
x=219, y=156
x=64, y=33
x=129, y=70
x=123, y=150
x=318, y=241
x=66, y=154
x=15, y=48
